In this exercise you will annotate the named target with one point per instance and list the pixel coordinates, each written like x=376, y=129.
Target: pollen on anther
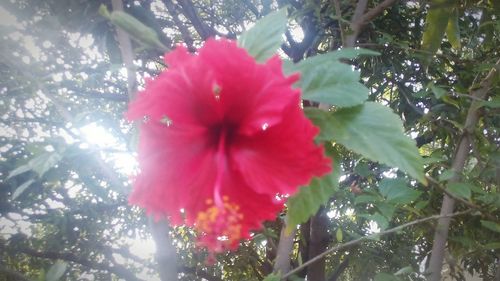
x=220, y=226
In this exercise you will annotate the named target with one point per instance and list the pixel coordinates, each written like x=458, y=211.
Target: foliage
x=395, y=121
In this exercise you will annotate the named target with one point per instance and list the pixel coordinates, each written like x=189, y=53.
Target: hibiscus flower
x=224, y=140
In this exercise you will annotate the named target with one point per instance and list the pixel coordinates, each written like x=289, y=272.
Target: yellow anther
x=220, y=224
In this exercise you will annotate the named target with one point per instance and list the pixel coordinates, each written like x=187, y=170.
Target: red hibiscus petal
x=182, y=94
x=176, y=166
x=251, y=94
x=179, y=57
x=281, y=157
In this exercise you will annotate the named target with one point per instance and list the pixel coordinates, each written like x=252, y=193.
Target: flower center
x=219, y=226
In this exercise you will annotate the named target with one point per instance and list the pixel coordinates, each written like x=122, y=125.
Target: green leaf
x=333, y=83
x=325, y=79
x=40, y=164
x=421, y=204
x=493, y=103
x=348, y=53
x=138, y=31
x=266, y=36
x=365, y=198
x=295, y=278
x=453, y=30
x=493, y=226
x=381, y=221
x=56, y=271
x=386, y=208
x=19, y=170
x=272, y=277
x=20, y=189
x=436, y=22
x=362, y=169
x=446, y=175
x=45, y=162
x=492, y=246
x=397, y=191
x=373, y=131
x=405, y=270
x=339, y=235
x=459, y=189
x=385, y=277
x=324, y=59
x=437, y=90
x=309, y=199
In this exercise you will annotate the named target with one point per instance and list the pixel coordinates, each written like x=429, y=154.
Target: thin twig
x=370, y=237
x=467, y=203
x=458, y=164
x=114, y=268
x=338, y=14
x=359, y=20
x=127, y=53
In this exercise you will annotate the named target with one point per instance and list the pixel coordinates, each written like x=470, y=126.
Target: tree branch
x=186, y=35
x=165, y=252
x=369, y=237
x=318, y=243
x=458, y=163
x=189, y=11
x=116, y=269
x=285, y=247
x=251, y=7
x=339, y=270
x=338, y=14
x=359, y=20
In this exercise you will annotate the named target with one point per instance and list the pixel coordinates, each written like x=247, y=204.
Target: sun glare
x=112, y=149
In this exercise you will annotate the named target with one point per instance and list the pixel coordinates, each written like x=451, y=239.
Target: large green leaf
x=272, y=277
x=373, y=131
x=20, y=189
x=382, y=276
x=138, y=31
x=493, y=226
x=397, y=191
x=309, y=199
x=333, y=83
x=460, y=189
x=266, y=36
x=453, y=30
x=40, y=164
x=56, y=271
x=335, y=56
x=436, y=22
x=325, y=79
